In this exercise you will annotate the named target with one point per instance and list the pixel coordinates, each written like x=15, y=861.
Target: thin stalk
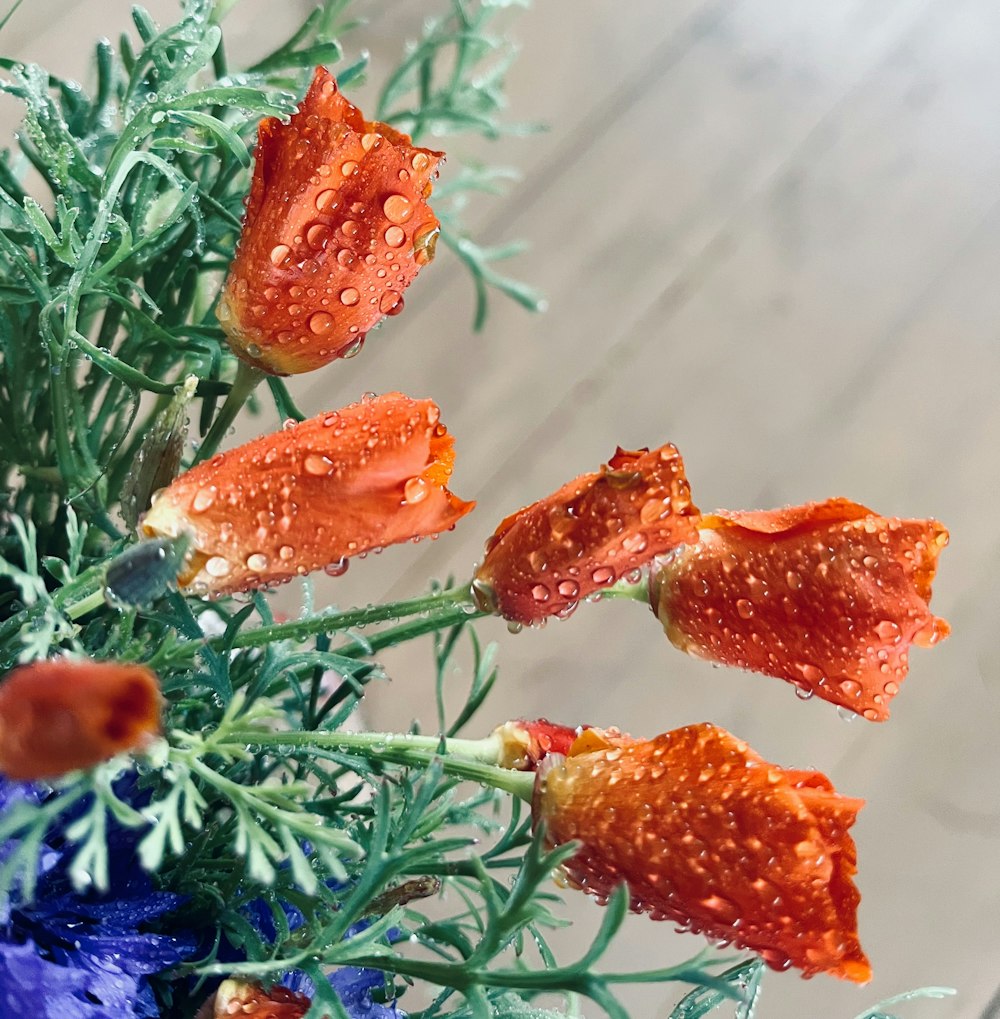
x=246, y=381
x=464, y=758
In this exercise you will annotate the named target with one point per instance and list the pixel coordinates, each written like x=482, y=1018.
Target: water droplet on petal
x=397, y=208
x=370, y=140
x=349, y=167
x=416, y=490
x=420, y=161
x=318, y=234
x=353, y=348
x=793, y=580
x=850, y=687
x=568, y=588
x=203, y=498
x=888, y=631
x=217, y=566
x=320, y=323
x=744, y=608
x=349, y=228
x=317, y=465
x=391, y=303
x=338, y=568
x=279, y=253
x=257, y=562
x=286, y=552
x=603, y=575
x=394, y=236
x=349, y=296
x=540, y=593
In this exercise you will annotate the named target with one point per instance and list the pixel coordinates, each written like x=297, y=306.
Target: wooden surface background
x=768, y=232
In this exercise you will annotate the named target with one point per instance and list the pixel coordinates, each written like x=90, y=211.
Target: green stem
x=246, y=381
x=635, y=592
x=473, y=759
x=454, y=606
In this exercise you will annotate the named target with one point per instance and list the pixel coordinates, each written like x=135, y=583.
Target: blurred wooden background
x=768, y=232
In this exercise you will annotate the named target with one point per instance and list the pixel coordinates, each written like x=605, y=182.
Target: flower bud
x=61, y=715
x=828, y=596
x=337, y=226
x=709, y=835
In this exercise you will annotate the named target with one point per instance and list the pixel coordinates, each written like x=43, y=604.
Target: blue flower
x=71, y=956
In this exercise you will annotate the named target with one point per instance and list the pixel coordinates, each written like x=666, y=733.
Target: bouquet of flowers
x=194, y=819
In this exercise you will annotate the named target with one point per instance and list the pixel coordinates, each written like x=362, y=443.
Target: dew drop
x=318, y=234
x=346, y=257
x=349, y=167
x=338, y=568
x=370, y=140
x=744, y=608
x=390, y=303
x=635, y=543
x=416, y=490
x=394, y=236
x=603, y=575
x=540, y=593
x=320, y=323
x=326, y=200
x=317, y=465
x=349, y=228
x=349, y=296
x=888, y=631
x=397, y=208
x=217, y=566
x=420, y=161
x=203, y=498
x=793, y=580
x=568, y=588
x=353, y=348
x=257, y=562
x=279, y=253
x=850, y=687
x=286, y=552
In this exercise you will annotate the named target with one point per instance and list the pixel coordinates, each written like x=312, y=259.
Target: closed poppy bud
x=523, y=744
x=592, y=532
x=828, y=596
x=251, y=1001
x=337, y=226
x=60, y=715
x=709, y=835
x=308, y=497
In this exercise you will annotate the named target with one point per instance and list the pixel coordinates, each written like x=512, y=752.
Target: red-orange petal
x=828, y=596
x=310, y=496
x=337, y=226
x=590, y=533
x=251, y=1001
x=524, y=743
x=709, y=835
x=61, y=715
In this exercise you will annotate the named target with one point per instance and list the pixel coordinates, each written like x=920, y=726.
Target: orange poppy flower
x=308, y=497
x=61, y=715
x=828, y=596
x=337, y=226
x=251, y=1001
x=709, y=835
x=592, y=532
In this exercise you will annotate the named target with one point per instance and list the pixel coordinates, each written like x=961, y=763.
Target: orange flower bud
x=311, y=495
x=828, y=596
x=60, y=715
x=595, y=530
x=709, y=835
x=523, y=743
x=251, y=1001
x=337, y=226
